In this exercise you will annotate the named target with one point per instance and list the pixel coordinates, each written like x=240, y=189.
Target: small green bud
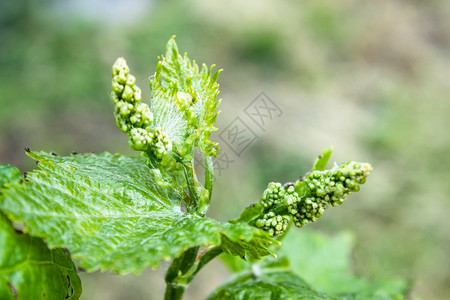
x=121, y=78
x=129, y=112
x=130, y=80
x=272, y=195
x=127, y=93
x=125, y=108
x=275, y=225
x=120, y=65
x=114, y=98
x=122, y=124
x=138, y=139
x=260, y=223
x=117, y=87
x=161, y=145
x=137, y=93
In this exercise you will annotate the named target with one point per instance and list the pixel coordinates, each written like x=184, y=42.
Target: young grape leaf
x=28, y=269
x=184, y=101
x=249, y=213
x=321, y=162
x=112, y=212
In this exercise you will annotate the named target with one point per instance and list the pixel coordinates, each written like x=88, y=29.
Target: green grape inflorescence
x=134, y=117
x=275, y=199
x=126, y=96
x=272, y=194
x=275, y=225
x=328, y=188
x=320, y=190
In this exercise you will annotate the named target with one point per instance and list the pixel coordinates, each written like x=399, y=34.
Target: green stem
x=205, y=259
x=184, y=268
x=198, y=194
x=193, y=185
x=161, y=175
x=174, y=291
x=209, y=175
x=181, y=265
x=176, y=281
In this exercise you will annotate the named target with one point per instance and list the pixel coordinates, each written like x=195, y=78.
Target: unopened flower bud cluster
x=328, y=188
x=276, y=196
x=273, y=224
x=322, y=190
x=134, y=117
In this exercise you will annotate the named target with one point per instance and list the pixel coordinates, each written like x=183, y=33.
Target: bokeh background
x=371, y=78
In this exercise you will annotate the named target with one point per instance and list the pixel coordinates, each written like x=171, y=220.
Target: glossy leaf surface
x=28, y=269
x=113, y=212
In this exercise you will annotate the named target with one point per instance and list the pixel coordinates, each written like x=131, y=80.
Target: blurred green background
x=371, y=78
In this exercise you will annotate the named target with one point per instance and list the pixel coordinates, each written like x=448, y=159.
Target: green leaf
x=111, y=213
x=249, y=213
x=184, y=101
x=29, y=270
x=322, y=160
x=271, y=283
x=233, y=263
x=9, y=174
x=256, y=248
x=325, y=263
